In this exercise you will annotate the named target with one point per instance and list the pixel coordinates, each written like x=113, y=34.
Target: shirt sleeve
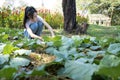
x=39, y=18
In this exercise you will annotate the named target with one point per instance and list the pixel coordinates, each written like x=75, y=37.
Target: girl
x=33, y=24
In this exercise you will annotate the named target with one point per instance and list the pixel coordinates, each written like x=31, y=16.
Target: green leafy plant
x=79, y=71
x=114, y=48
x=9, y=48
x=7, y=72
x=75, y=57
x=109, y=66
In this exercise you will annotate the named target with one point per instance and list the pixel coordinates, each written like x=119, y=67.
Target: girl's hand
x=53, y=35
x=41, y=38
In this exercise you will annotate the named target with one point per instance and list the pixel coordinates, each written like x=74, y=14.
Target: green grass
x=100, y=32
x=103, y=31
x=93, y=30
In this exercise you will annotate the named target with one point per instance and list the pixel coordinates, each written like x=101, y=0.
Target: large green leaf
x=22, y=52
x=67, y=41
x=95, y=48
x=86, y=40
x=110, y=61
x=57, y=42
x=106, y=42
x=72, y=51
x=110, y=66
x=85, y=45
x=2, y=45
x=39, y=42
x=47, y=38
x=27, y=43
x=50, y=50
x=79, y=71
x=39, y=71
x=60, y=55
x=114, y=48
x=18, y=61
x=93, y=39
x=77, y=40
x=76, y=37
x=5, y=37
x=63, y=48
x=49, y=43
x=9, y=48
x=3, y=58
x=7, y=73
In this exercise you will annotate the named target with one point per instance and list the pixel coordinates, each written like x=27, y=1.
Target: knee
x=40, y=24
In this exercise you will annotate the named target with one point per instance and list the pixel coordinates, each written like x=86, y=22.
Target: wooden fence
x=99, y=19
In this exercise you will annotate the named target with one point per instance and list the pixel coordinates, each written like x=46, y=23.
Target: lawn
x=94, y=30
x=103, y=31
x=99, y=32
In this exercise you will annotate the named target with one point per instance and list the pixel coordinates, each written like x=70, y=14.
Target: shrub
x=11, y=19
x=81, y=19
x=14, y=19
x=55, y=19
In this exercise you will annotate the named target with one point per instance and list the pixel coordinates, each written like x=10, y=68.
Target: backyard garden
x=94, y=55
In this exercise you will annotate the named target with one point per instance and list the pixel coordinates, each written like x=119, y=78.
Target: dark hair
x=29, y=11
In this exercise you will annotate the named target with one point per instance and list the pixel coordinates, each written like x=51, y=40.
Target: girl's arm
x=31, y=33
x=47, y=25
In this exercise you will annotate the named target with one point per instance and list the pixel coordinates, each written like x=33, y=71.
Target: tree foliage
x=110, y=8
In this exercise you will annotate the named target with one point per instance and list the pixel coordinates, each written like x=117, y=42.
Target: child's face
x=35, y=16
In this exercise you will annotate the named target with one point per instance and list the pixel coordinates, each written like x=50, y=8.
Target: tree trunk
x=69, y=13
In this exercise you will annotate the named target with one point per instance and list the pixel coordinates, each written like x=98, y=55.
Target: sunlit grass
x=93, y=30
x=103, y=31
